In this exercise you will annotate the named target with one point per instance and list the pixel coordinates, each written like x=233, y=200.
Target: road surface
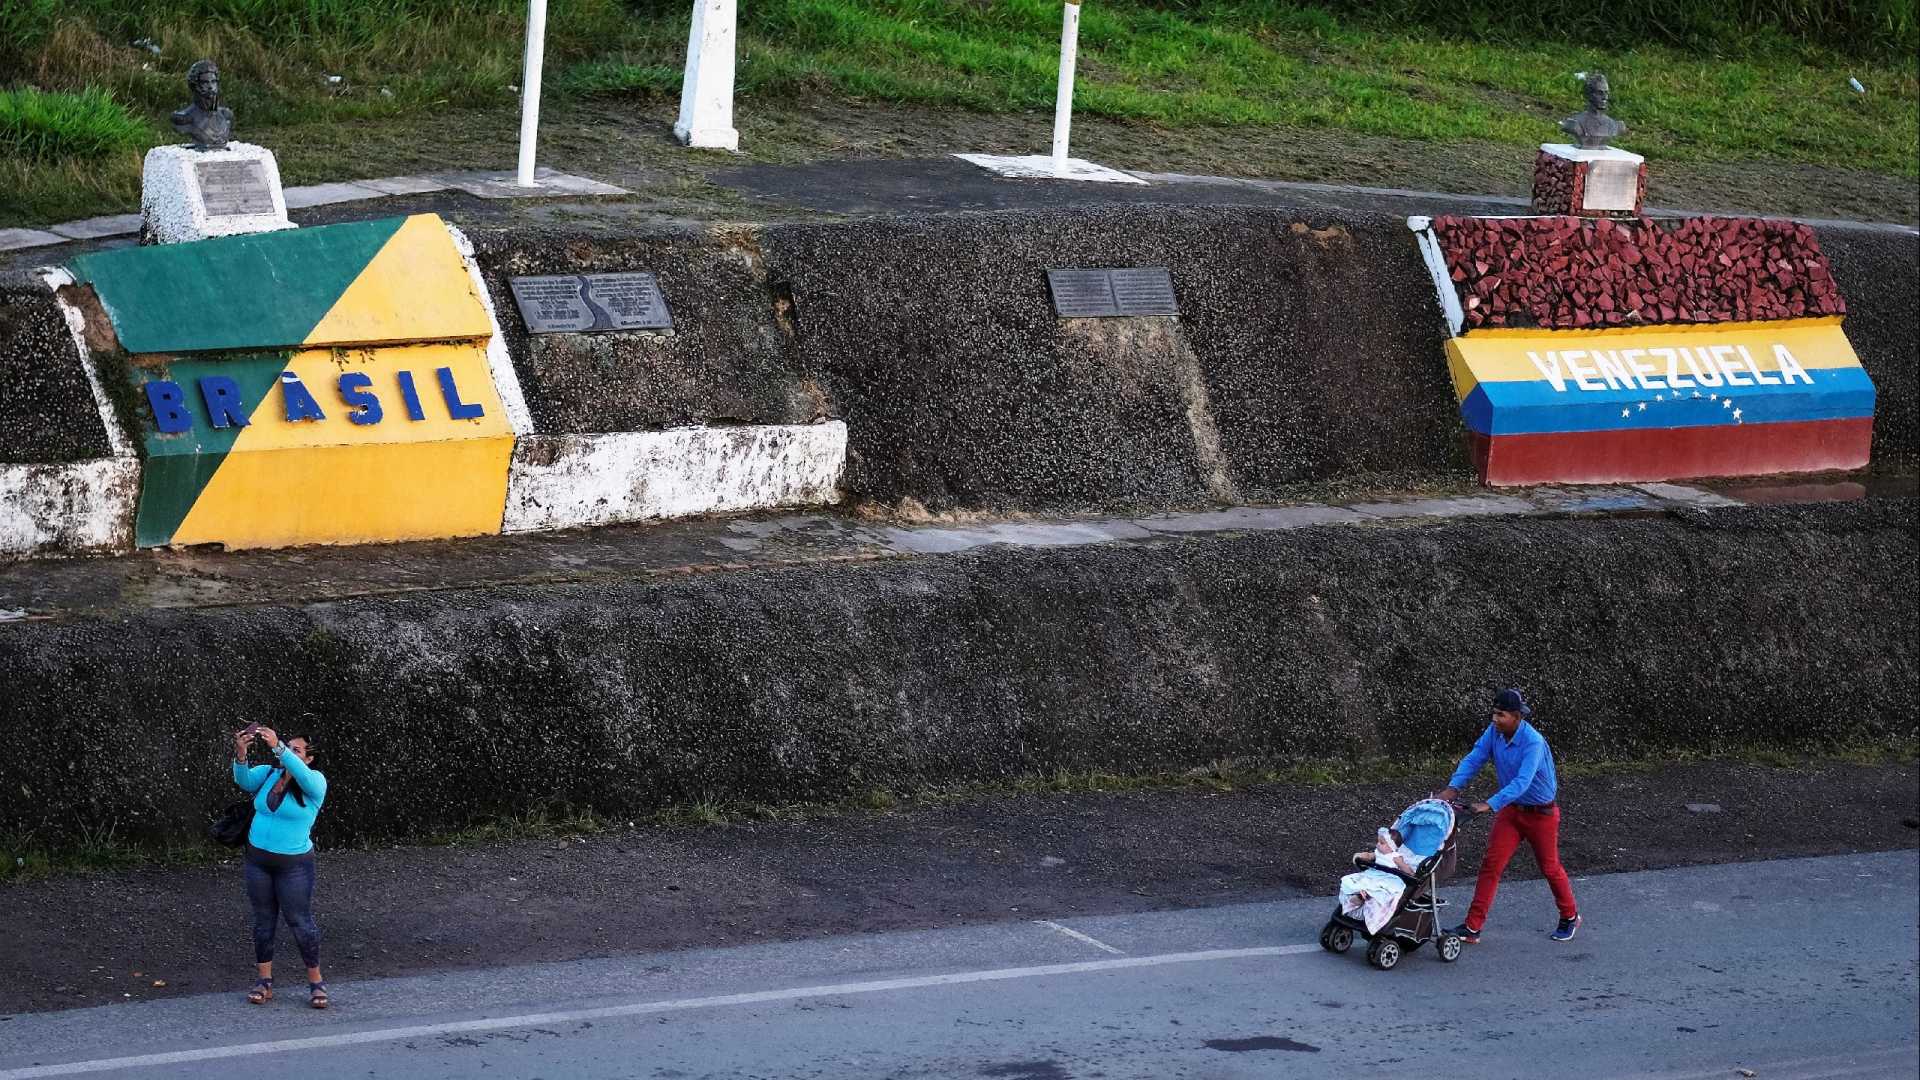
x=1794, y=969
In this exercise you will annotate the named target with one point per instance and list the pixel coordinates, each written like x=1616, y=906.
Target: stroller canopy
x=1425, y=826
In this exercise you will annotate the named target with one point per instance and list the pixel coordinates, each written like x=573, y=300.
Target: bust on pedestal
x=1592, y=178
x=212, y=186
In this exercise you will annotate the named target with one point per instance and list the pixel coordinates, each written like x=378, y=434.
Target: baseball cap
x=1509, y=700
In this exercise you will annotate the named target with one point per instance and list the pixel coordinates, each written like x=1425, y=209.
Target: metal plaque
x=1097, y=294
x=586, y=303
x=233, y=188
x=1145, y=291
x=1612, y=185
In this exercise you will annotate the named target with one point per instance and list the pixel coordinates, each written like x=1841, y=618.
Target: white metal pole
x=1063, y=94
x=530, y=89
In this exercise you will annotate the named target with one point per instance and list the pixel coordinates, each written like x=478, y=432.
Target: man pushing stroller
x=1525, y=806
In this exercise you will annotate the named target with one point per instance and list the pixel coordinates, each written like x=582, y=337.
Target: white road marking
x=1078, y=936
x=757, y=997
x=1895, y=1062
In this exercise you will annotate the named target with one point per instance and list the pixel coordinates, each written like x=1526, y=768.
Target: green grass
x=46, y=127
x=1759, y=88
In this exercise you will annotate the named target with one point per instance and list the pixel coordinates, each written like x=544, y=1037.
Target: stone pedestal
x=1607, y=182
x=188, y=194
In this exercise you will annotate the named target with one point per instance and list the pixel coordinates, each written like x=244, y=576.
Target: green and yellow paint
x=318, y=385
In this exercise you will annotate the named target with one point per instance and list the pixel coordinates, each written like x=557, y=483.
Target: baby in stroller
x=1389, y=901
x=1373, y=893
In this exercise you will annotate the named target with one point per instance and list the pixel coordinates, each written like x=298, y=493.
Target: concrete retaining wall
x=1772, y=626
x=1306, y=348
x=68, y=478
x=1879, y=271
x=1309, y=348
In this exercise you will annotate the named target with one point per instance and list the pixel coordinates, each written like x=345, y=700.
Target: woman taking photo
x=279, y=862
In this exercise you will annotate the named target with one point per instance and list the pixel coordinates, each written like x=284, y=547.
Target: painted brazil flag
x=321, y=385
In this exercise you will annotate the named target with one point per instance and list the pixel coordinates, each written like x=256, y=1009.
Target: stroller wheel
x=1383, y=953
x=1336, y=938
x=1448, y=948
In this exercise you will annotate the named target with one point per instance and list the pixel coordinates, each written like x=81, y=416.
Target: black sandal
x=261, y=993
x=317, y=995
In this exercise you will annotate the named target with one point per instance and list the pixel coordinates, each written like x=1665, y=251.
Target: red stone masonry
x=1559, y=187
x=1568, y=272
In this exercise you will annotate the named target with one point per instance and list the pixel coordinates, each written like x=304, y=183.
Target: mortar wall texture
x=1687, y=631
x=1308, y=346
x=725, y=361
x=1879, y=273
x=47, y=409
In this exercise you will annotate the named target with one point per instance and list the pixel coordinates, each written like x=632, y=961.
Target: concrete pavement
x=1795, y=968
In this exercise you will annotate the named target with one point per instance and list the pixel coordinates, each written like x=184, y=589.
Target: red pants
x=1542, y=831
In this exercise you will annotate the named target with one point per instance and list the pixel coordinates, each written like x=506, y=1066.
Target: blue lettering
x=353, y=391
x=411, y=396
x=299, y=403
x=169, y=407
x=455, y=408
x=224, y=407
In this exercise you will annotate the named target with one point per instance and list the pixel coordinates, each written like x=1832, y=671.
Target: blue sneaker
x=1466, y=933
x=1566, y=929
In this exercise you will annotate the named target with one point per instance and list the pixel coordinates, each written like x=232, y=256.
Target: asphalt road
x=1792, y=969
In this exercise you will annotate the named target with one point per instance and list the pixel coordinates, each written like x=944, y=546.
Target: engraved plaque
x=589, y=303
x=1611, y=185
x=1145, y=291
x=233, y=188
x=1096, y=294
x=1082, y=294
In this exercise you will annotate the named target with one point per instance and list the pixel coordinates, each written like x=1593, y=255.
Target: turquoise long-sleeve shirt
x=1523, y=766
x=289, y=829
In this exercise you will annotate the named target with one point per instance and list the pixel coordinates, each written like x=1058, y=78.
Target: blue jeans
x=282, y=887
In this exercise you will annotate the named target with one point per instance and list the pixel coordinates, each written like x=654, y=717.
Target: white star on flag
x=1696, y=393
x=1713, y=397
x=1726, y=403
x=1643, y=406
x=1626, y=412
x=1736, y=414
x=1659, y=397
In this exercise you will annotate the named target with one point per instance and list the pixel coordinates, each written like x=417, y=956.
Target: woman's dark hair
x=1398, y=840
x=293, y=785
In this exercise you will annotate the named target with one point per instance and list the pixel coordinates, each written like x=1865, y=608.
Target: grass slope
x=1165, y=65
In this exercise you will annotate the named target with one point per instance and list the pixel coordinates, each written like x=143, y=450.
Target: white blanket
x=1374, y=892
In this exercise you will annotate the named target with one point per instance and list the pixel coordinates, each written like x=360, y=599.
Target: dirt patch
x=76, y=941
x=630, y=143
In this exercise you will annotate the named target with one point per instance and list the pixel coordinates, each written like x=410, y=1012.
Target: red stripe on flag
x=1613, y=457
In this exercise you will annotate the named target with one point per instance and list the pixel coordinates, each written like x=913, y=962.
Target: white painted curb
x=1437, y=268
x=567, y=481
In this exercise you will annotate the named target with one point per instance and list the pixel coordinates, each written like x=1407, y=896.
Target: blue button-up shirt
x=1522, y=764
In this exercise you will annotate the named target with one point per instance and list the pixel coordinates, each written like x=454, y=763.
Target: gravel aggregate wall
x=1790, y=626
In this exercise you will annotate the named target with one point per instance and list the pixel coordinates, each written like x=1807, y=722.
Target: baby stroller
x=1427, y=829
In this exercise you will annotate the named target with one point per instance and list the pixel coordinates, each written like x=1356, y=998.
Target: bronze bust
x=1594, y=129
x=207, y=122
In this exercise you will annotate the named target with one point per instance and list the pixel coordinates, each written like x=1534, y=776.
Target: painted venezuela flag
x=1594, y=352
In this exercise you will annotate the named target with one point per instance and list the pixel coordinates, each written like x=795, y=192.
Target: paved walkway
x=891, y=186
x=1790, y=970
x=483, y=185
x=69, y=588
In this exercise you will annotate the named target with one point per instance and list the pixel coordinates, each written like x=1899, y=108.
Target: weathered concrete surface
x=76, y=507
x=1305, y=348
x=47, y=410
x=565, y=481
x=1879, y=273
x=725, y=361
x=198, y=578
x=1786, y=626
